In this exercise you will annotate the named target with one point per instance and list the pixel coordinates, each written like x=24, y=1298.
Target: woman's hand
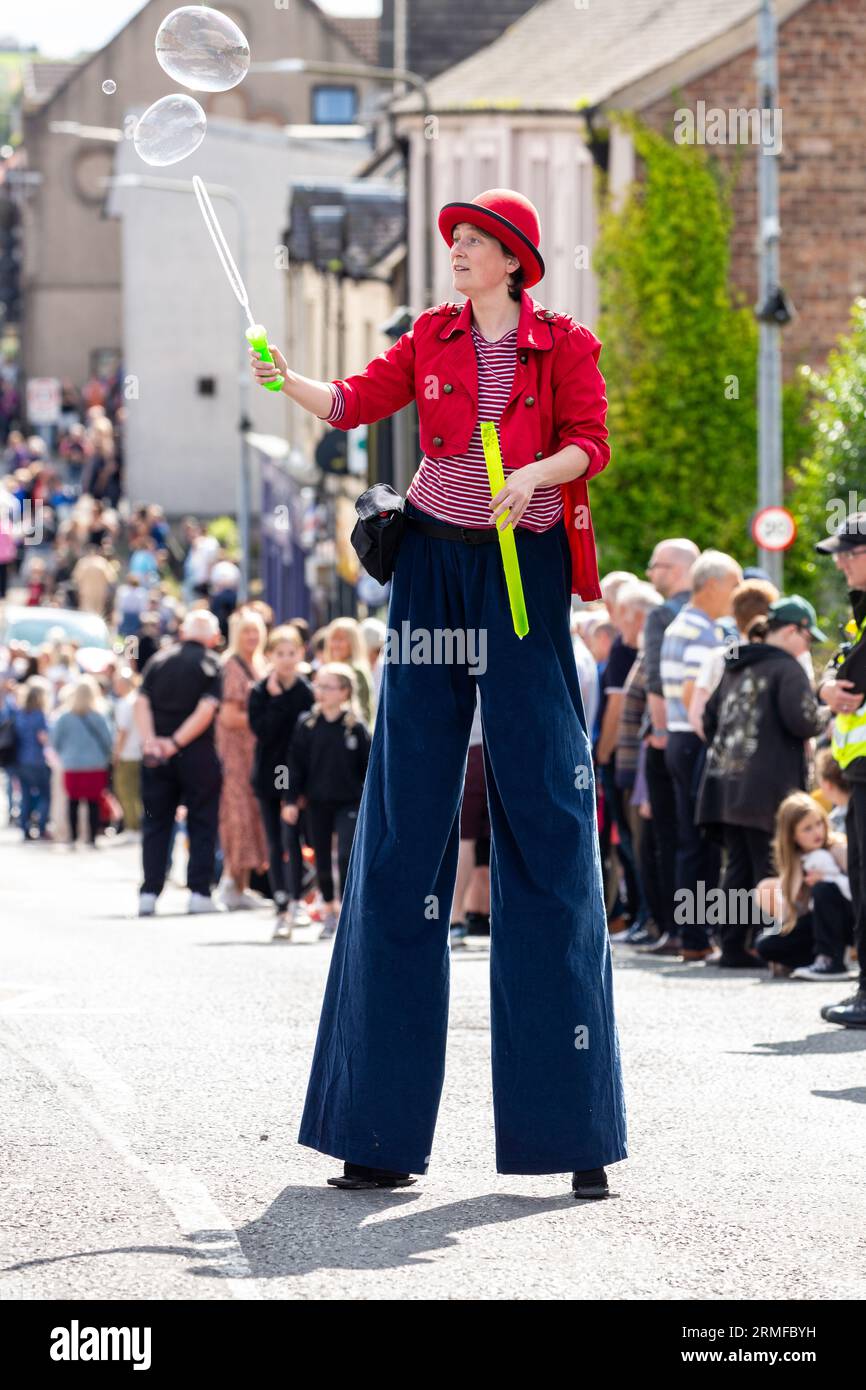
x=814, y=876
x=268, y=371
x=290, y=814
x=515, y=497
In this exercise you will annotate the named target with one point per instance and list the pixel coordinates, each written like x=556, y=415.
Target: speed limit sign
x=774, y=528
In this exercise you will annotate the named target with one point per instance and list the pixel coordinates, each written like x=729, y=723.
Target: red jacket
x=557, y=398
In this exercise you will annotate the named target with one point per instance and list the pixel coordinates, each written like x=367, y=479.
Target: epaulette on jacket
x=448, y=310
x=556, y=320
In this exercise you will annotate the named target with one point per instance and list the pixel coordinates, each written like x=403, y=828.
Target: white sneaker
x=299, y=915
x=203, y=902
x=822, y=968
x=282, y=929
x=233, y=900
x=147, y=904
x=329, y=926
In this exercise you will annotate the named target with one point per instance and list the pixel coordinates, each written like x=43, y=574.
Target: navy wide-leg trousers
x=379, y=1059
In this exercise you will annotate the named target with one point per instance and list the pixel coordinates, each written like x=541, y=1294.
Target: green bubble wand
x=255, y=335
x=507, y=543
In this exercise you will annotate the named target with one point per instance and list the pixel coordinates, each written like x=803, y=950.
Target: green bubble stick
x=256, y=334
x=258, y=339
x=507, y=543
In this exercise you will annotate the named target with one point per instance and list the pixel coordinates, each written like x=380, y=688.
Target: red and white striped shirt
x=456, y=488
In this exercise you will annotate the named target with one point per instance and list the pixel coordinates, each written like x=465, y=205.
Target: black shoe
x=667, y=945
x=823, y=968
x=592, y=1182
x=638, y=935
x=741, y=960
x=851, y=1013
x=357, y=1177
x=478, y=923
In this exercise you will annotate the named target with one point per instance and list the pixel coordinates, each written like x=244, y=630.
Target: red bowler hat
x=506, y=215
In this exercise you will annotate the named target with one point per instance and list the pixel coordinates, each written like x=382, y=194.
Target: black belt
x=472, y=535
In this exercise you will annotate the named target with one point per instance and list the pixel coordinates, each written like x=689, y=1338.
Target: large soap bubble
x=170, y=129
x=202, y=49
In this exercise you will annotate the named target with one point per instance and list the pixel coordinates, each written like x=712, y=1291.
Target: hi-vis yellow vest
x=849, y=730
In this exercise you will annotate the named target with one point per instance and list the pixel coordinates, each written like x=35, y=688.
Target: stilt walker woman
x=379, y=1060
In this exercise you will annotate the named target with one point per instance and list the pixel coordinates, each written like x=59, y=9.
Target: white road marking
x=26, y=996
x=106, y=1080
x=198, y=1216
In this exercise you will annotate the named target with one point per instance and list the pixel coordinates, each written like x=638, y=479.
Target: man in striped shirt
x=696, y=629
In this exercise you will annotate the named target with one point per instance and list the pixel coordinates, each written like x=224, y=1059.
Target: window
x=335, y=105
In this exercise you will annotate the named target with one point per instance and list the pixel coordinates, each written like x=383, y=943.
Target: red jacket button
x=539, y=455
x=530, y=400
x=437, y=440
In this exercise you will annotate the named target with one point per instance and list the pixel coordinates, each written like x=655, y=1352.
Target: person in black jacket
x=756, y=724
x=274, y=707
x=328, y=759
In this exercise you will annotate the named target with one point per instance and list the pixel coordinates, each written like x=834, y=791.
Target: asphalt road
x=153, y=1074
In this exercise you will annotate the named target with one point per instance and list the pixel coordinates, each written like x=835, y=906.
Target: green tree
x=679, y=359
x=829, y=480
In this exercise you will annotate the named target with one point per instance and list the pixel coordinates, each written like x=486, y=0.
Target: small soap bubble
x=170, y=129
x=202, y=49
x=109, y=87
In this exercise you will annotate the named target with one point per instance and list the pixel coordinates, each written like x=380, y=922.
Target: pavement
x=152, y=1075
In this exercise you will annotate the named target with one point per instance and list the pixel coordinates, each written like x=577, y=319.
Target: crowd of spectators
x=709, y=747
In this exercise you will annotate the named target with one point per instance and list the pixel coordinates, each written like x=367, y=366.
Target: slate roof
x=560, y=57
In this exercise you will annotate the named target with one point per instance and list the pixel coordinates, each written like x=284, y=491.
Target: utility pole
x=771, y=311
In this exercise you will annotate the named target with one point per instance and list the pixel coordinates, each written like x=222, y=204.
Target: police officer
x=843, y=688
x=179, y=697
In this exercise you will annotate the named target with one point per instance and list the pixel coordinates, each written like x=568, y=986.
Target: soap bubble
x=202, y=49
x=170, y=129
x=109, y=87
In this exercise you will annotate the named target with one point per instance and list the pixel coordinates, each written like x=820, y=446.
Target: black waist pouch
x=379, y=529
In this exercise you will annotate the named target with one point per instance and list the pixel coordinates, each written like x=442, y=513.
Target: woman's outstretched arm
x=314, y=396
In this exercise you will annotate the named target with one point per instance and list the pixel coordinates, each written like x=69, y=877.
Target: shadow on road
x=307, y=1228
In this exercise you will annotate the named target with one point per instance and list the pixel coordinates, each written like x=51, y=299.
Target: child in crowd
x=811, y=898
x=328, y=759
x=835, y=787
x=275, y=704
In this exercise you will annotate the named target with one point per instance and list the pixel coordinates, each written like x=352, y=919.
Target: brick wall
x=822, y=169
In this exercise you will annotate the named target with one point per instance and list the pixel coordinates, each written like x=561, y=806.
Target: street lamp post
x=323, y=69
